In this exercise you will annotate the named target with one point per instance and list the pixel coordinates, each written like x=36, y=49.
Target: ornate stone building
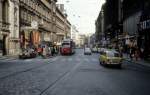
x=29, y=24
x=42, y=12
x=9, y=27
x=63, y=26
x=53, y=25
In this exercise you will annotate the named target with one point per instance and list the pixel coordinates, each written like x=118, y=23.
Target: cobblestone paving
x=32, y=81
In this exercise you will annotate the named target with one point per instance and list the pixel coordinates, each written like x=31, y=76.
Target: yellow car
x=110, y=57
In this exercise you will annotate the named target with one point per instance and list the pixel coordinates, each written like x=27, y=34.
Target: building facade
x=109, y=26
x=82, y=40
x=136, y=25
x=99, y=34
x=63, y=26
x=30, y=24
x=143, y=36
x=75, y=35
x=41, y=14
x=9, y=27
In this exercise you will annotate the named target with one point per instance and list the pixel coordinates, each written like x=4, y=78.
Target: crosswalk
x=71, y=59
x=78, y=60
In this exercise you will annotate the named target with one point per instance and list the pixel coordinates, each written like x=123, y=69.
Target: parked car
x=98, y=50
x=101, y=50
x=27, y=53
x=87, y=51
x=110, y=57
x=94, y=50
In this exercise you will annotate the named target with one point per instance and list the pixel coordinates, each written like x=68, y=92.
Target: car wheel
x=100, y=63
x=103, y=63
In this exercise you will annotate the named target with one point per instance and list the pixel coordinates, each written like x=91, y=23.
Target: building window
x=15, y=16
x=5, y=11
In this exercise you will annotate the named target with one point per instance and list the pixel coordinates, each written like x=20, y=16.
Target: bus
x=67, y=47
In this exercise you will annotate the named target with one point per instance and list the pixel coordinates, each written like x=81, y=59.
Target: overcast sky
x=83, y=13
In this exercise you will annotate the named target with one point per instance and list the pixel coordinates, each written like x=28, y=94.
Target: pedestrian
x=141, y=53
x=39, y=50
x=44, y=51
x=131, y=52
x=137, y=53
x=121, y=51
x=52, y=50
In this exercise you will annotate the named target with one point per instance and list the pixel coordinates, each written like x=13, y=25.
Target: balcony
x=45, y=26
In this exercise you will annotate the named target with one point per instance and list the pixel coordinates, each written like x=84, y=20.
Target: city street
x=78, y=74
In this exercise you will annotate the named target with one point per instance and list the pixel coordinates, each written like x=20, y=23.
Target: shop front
x=144, y=36
x=29, y=39
x=3, y=44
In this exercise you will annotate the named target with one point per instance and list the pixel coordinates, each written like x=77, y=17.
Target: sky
x=82, y=13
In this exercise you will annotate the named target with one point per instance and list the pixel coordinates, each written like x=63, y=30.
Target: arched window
x=5, y=11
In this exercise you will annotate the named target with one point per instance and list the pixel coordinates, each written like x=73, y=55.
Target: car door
x=103, y=57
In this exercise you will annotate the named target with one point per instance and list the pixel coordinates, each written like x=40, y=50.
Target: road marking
x=85, y=59
x=28, y=60
x=63, y=77
x=95, y=60
x=70, y=59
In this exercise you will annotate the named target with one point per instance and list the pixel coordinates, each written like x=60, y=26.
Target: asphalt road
x=78, y=74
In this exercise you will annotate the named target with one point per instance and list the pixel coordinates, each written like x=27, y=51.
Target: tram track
x=59, y=79
x=27, y=70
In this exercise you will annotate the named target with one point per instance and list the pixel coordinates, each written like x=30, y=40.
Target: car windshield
x=65, y=45
x=110, y=54
x=87, y=49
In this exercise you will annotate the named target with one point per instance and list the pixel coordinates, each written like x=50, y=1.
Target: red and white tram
x=67, y=47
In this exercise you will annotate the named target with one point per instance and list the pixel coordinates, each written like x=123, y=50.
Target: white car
x=98, y=50
x=94, y=50
x=101, y=50
x=87, y=51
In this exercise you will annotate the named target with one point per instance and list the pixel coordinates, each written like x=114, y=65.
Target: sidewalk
x=8, y=57
x=140, y=62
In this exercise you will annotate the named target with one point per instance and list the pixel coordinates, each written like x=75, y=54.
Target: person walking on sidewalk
x=132, y=52
x=52, y=50
x=49, y=51
x=137, y=53
x=39, y=50
x=44, y=52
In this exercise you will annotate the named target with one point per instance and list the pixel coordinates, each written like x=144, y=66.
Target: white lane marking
x=28, y=60
x=70, y=59
x=85, y=59
x=95, y=60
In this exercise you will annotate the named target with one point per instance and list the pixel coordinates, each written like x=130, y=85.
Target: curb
x=8, y=57
x=137, y=63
